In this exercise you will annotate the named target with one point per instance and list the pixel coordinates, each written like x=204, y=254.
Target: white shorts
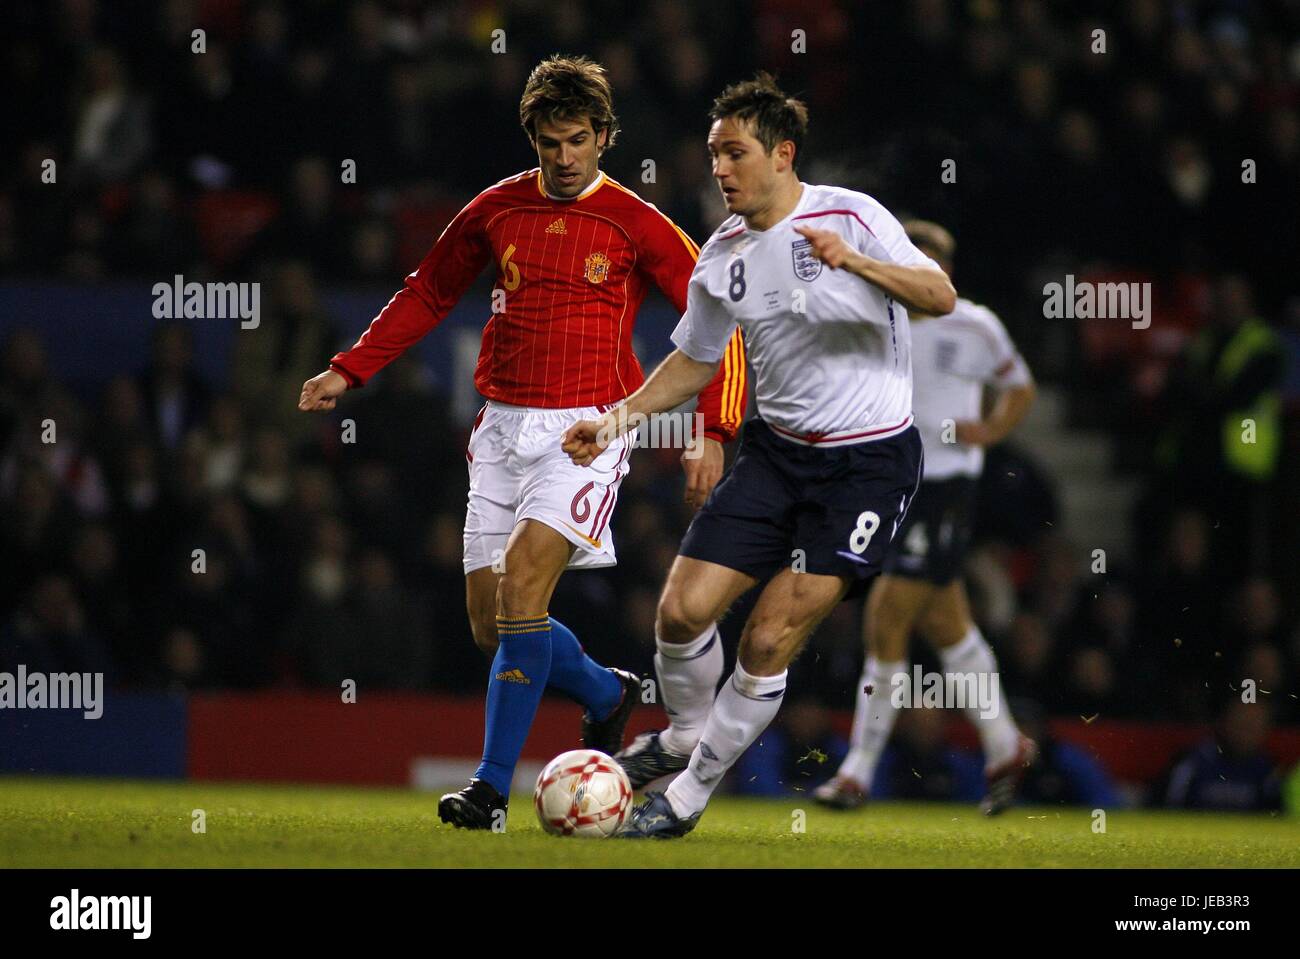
x=517, y=471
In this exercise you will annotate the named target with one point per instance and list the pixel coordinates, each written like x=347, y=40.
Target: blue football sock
x=580, y=677
x=519, y=674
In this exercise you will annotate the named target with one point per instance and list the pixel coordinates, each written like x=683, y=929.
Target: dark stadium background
x=330, y=561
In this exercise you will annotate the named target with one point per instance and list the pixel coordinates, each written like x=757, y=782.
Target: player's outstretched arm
x=922, y=289
x=322, y=391
x=428, y=295
x=677, y=379
x=919, y=288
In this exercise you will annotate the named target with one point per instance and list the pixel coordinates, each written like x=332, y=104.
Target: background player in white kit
x=819, y=280
x=954, y=357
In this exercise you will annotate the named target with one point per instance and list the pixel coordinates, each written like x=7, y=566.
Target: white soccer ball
x=582, y=793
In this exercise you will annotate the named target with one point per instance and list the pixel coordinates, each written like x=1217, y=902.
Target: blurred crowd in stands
x=321, y=561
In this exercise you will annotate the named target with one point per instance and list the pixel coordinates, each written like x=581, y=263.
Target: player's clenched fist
x=703, y=470
x=585, y=440
x=829, y=247
x=320, y=392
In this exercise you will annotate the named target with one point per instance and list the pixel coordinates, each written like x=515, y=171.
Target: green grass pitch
x=110, y=823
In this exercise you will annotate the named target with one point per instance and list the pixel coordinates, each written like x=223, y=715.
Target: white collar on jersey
x=591, y=187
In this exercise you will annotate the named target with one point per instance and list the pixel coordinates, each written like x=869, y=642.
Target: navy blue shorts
x=932, y=541
x=827, y=511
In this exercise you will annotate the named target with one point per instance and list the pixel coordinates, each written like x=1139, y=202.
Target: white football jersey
x=831, y=352
x=953, y=357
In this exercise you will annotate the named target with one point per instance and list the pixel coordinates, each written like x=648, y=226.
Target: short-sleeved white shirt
x=953, y=358
x=831, y=352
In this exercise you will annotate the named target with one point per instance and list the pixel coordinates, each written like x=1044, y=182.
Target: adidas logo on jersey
x=557, y=226
x=514, y=676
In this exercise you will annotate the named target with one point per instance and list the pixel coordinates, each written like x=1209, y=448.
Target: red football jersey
x=571, y=275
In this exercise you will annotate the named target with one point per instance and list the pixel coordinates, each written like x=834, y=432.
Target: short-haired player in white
x=819, y=280
x=954, y=358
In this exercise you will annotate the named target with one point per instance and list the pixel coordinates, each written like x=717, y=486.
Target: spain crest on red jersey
x=597, y=267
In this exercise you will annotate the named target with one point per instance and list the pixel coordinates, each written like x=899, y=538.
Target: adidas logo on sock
x=514, y=676
x=557, y=226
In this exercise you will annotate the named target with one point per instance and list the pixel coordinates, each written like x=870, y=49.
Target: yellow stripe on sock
x=511, y=627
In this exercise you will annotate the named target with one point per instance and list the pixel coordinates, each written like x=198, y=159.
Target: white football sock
x=739, y=715
x=998, y=733
x=688, y=681
x=873, y=720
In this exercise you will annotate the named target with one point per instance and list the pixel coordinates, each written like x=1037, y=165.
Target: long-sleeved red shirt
x=571, y=275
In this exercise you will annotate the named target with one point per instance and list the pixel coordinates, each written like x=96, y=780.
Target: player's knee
x=481, y=606
x=676, y=621
x=942, y=628
x=518, y=591
x=891, y=630
x=888, y=642
x=768, y=645
x=484, y=628
x=888, y=627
